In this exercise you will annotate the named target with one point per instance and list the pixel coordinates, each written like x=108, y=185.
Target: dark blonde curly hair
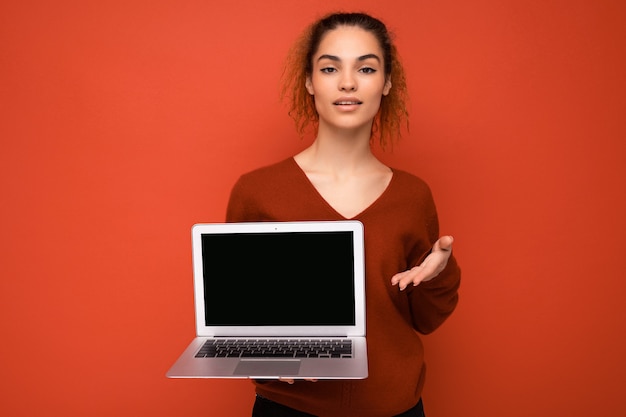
x=392, y=114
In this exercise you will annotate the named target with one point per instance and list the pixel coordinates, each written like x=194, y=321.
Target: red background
x=125, y=122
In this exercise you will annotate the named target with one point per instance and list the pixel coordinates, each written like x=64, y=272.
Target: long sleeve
x=432, y=302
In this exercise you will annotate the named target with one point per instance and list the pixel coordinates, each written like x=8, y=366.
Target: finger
x=444, y=243
x=412, y=276
x=424, y=272
x=399, y=277
x=291, y=381
x=287, y=380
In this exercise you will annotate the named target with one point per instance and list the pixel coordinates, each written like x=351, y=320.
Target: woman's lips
x=347, y=102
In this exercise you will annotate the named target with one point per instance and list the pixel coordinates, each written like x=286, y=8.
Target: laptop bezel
x=356, y=330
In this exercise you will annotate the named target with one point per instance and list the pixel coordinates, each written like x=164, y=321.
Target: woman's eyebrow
x=368, y=56
x=337, y=59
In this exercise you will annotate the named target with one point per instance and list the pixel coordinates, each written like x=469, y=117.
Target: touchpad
x=268, y=368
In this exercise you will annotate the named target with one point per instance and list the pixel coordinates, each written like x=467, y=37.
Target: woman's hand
x=434, y=263
x=291, y=381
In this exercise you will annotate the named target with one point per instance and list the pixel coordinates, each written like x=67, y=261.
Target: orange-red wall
x=122, y=123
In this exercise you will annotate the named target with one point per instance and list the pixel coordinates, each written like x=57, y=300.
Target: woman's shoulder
x=280, y=176
x=407, y=179
x=258, y=193
x=410, y=194
x=275, y=170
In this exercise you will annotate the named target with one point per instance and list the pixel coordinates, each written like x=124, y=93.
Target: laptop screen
x=279, y=279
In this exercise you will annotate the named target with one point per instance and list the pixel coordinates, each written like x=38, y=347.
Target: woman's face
x=348, y=78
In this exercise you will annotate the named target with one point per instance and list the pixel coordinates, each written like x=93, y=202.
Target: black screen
x=279, y=279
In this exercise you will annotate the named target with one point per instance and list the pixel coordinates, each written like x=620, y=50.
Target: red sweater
x=400, y=230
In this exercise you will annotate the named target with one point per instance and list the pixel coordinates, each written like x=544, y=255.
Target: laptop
x=277, y=300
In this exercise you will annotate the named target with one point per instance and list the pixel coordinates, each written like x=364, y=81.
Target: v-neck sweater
x=400, y=227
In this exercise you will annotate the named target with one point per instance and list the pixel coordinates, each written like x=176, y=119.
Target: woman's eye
x=367, y=70
x=328, y=70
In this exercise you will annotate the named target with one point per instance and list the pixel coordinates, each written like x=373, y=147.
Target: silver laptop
x=277, y=299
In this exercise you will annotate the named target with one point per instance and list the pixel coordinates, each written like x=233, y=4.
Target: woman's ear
x=387, y=86
x=309, y=85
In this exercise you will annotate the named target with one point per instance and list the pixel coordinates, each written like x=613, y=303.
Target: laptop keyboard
x=276, y=348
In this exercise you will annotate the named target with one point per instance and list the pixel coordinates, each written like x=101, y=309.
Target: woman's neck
x=345, y=172
x=339, y=151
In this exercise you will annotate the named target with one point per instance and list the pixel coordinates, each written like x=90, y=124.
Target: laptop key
x=276, y=348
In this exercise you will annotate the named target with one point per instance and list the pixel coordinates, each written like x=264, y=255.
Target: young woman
x=344, y=76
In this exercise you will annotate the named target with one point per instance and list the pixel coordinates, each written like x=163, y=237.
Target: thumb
x=444, y=243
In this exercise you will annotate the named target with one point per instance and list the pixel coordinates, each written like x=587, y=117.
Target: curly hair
x=392, y=114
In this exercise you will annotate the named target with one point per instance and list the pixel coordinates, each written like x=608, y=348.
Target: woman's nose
x=347, y=82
